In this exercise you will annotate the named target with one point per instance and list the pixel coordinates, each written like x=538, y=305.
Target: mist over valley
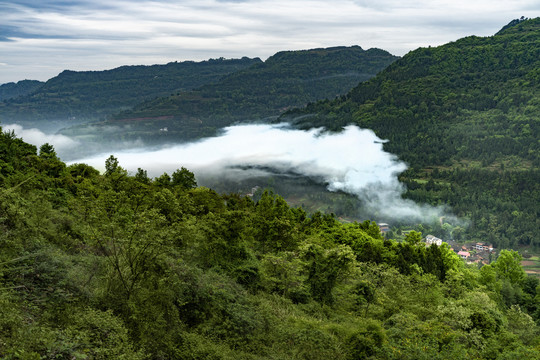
x=330, y=203
x=293, y=163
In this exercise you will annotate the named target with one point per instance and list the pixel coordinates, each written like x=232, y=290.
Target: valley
x=326, y=203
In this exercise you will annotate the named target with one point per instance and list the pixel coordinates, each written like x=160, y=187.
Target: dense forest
x=466, y=117
x=121, y=266
x=285, y=80
x=81, y=96
x=20, y=88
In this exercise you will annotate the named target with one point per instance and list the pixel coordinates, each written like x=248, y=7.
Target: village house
x=476, y=253
x=483, y=247
x=430, y=239
x=384, y=228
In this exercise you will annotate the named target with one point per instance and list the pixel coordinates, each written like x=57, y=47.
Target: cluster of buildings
x=473, y=253
x=476, y=253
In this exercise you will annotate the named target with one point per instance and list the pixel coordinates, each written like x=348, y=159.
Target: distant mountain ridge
x=285, y=80
x=79, y=96
x=431, y=90
x=20, y=88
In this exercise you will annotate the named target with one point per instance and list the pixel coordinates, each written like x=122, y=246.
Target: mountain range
x=262, y=91
x=465, y=116
x=122, y=266
x=83, y=96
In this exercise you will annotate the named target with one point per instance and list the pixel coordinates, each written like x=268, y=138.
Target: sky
x=39, y=39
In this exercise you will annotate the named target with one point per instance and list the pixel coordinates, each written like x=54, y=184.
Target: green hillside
x=116, y=266
x=77, y=96
x=285, y=80
x=20, y=88
x=466, y=117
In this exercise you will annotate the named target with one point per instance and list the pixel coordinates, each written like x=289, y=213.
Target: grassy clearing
x=531, y=261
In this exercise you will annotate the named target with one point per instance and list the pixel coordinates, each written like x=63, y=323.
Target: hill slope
x=115, y=266
x=91, y=95
x=285, y=80
x=466, y=117
x=21, y=88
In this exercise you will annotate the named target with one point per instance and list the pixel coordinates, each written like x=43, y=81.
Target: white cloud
x=352, y=161
x=37, y=137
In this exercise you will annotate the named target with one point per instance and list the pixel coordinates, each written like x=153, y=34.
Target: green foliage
x=118, y=266
x=283, y=274
x=413, y=238
x=508, y=267
x=325, y=268
x=274, y=226
x=21, y=88
x=522, y=325
x=99, y=335
x=184, y=178
x=73, y=97
x=261, y=91
x=465, y=117
x=366, y=342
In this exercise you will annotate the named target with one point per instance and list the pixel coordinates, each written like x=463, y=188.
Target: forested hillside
x=77, y=96
x=285, y=80
x=120, y=266
x=20, y=88
x=466, y=117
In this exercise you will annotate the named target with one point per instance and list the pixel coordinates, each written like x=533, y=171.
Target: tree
x=325, y=268
x=184, y=178
x=413, y=238
x=111, y=165
x=367, y=341
x=46, y=151
x=163, y=180
x=114, y=173
x=458, y=233
x=142, y=176
x=521, y=324
x=366, y=294
x=274, y=225
x=132, y=241
x=508, y=266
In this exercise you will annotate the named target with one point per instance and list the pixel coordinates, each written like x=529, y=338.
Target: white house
x=430, y=239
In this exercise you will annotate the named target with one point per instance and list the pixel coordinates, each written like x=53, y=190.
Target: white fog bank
x=37, y=137
x=352, y=161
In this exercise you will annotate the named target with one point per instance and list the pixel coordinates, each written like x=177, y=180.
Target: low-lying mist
x=293, y=162
x=352, y=161
x=70, y=147
x=37, y=137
